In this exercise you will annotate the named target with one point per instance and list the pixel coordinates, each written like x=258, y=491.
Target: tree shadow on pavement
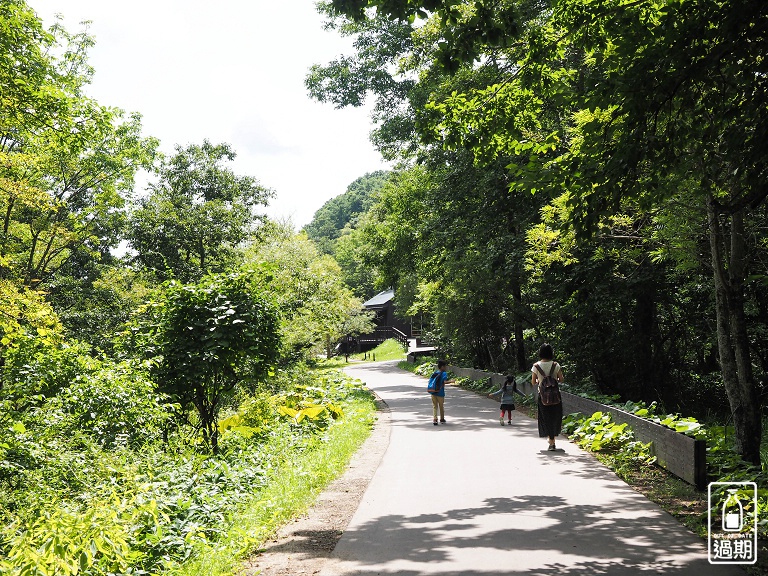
x=617, y=539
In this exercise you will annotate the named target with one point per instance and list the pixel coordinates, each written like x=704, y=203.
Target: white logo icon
x=733, y=512
x=732, y=533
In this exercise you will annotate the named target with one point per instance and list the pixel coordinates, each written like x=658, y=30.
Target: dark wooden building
x=383, y=305
x=387, y=324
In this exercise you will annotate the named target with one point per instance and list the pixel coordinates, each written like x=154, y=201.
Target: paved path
x=472, y=497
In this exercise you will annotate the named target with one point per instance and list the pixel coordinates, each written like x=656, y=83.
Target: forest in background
x=589, y=173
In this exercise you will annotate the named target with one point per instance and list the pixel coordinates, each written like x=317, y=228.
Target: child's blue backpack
x=433, y=387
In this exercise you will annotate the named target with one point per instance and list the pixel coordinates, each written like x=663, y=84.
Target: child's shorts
x=507, y=407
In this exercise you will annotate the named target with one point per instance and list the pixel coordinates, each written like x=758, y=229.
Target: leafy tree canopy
x=196, y=215
x=617, y=112
x=67, y=164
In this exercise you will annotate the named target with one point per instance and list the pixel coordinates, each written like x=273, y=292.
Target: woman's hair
x=546, y=352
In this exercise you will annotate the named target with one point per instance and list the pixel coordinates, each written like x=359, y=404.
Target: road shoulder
x=303, y=546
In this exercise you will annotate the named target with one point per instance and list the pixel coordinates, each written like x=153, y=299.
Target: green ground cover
x=73, y=504
x=388, y=350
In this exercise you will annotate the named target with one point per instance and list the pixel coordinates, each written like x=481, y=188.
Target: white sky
x=229, y=71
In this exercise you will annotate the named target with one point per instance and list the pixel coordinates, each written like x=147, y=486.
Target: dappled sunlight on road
x=473, y=497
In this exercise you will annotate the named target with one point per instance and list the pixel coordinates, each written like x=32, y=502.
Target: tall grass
x=290, y=490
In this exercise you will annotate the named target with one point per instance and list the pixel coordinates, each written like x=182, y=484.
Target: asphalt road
x=471, y=497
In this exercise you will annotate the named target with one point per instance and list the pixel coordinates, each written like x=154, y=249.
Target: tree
x=470, y=203
x=26, y=70
x=67, y=165
x=680, y=111
x=356, y=273
x=196, y=216
x=619, y=102
x=315, y=304
x=95, y=300
x=449, y=238
x=208, y=338
x=25, y=313
x=337, y=213
x=86, y=169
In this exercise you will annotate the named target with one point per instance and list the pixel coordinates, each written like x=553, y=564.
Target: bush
x=117, y=405
x=93, y=541
x=90, y=486
x=35, y=367
x=207, y=339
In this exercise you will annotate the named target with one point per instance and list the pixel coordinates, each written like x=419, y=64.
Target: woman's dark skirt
x=550, y=420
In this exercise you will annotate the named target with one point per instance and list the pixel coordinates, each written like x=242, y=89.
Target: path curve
x=472, y=497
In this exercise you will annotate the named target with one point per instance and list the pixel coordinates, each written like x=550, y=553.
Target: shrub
x=206, y=339
x=36, y=367
x=93, y=541
x=117, y=405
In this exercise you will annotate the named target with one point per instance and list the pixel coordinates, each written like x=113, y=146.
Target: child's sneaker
x=501, y=420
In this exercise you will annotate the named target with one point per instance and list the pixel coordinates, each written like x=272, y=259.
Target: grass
x=290, y=491
x=388, y=350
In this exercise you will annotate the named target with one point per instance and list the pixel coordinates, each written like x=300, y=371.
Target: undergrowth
x=74, y=503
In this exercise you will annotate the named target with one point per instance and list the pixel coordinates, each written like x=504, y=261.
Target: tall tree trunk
x=643, y=325
x=521, y=360
x=729, y=267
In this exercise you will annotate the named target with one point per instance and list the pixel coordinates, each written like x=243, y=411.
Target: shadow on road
x=628, y=544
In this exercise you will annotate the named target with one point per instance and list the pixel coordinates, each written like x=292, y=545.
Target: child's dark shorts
x=509, y=407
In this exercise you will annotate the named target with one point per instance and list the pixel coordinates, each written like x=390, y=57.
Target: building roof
x=381, y=299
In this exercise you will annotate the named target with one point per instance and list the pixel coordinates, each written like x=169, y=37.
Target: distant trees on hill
x=343, y=210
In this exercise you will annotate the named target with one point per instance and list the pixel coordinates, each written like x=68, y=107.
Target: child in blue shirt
x=507, y=393
x=438, y=398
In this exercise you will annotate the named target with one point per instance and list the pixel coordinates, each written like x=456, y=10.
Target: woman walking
x=550, y=413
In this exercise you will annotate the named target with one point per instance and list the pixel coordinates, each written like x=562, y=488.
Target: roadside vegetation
x=157, y=412
x=596, y=184
x=117, y=497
